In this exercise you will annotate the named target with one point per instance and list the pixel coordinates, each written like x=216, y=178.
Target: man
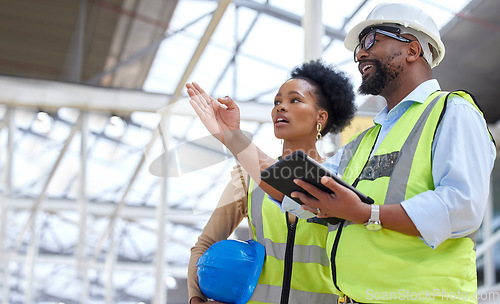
x=426, y=163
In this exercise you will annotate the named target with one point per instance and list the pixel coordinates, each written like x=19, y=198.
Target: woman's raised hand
x=221, y=117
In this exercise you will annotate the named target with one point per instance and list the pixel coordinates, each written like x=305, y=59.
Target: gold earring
x=318, y=128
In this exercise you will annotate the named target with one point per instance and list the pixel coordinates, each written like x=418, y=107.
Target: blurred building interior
x=92, y=92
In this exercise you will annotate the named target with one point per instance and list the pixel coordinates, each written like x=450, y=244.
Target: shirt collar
x=419, y=94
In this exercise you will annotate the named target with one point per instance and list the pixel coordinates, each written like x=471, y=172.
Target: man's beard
x=382, y=76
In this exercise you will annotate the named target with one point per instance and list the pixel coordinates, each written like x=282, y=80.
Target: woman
x=315, y=100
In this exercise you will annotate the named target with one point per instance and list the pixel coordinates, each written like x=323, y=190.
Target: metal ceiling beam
x=80, y=254
x=39, y=200
x=286, y=16
x=183, y=217
x=360, y=6
x=232, y=61
x=314, y=30
x=211, y=27
x=73, y=66
x=47, y=94
x=173, y=270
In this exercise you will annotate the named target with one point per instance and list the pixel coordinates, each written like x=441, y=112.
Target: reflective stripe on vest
x=387, y=262
x=265, y=292
x=311, y=280
x=301, y=253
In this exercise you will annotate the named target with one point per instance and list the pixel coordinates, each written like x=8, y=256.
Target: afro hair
x=334, y=91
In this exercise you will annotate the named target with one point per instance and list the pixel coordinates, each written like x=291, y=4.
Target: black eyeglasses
x=369, y=40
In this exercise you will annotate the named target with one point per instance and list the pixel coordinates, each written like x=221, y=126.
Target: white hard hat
x=412, y=20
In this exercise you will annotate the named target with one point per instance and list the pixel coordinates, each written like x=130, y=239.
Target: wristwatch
x=374, y=223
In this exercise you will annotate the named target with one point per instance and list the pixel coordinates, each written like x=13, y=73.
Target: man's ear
x=414, y=51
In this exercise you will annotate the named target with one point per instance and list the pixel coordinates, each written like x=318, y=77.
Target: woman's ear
x=322, y=117
x=414, y=51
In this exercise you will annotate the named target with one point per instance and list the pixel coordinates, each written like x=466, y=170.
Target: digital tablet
x=299, y=165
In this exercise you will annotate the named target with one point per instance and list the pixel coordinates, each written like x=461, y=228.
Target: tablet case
x=299, y=165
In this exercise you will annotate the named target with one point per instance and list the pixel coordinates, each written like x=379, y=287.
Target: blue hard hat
x=229, y=270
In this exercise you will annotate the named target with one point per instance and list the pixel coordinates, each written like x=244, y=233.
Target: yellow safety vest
x=296, y=268
x=387, y=266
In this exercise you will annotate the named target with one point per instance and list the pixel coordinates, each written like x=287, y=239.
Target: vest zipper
x=287, y=275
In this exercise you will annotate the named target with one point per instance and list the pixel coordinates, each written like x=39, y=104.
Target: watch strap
x=375, y=213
